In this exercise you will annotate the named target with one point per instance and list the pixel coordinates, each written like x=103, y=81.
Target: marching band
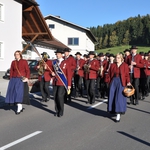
x=102, y=76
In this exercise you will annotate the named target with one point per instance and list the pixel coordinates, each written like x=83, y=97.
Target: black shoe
x=17, y=113
x=131, y=102
x=117, y=121
x=58, y=115
x=136, y=102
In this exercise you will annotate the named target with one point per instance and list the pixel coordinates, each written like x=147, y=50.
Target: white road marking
x=91, y=107
x=20, y=140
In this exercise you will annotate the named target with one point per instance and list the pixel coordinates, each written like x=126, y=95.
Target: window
x=1, y=12
x=1, y=50
x=52, y=26
x=73, y=41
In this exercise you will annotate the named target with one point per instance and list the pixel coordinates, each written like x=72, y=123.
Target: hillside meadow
x=117, y=49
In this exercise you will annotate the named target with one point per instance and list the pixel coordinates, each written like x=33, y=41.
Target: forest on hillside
x=133, y=31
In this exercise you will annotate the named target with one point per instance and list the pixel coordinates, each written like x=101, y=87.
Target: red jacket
x=94, y=66
x=65, y=67
x=143, y=71
x=72, y=62
x=47, y=72
x=106, y=75
x=123, y=73
x=148, y=68
x=80, y=72
x=139, y=64
x=105, y=65
x=23, y=69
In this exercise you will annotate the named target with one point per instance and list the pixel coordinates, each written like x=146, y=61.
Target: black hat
x=126, y=50
x=100, y=54
x=91, y=53
x=107, y=54
x=44, y=54
x=59, y=51
x=86, y=56
x=78, y=53
x=67, y=50
x=141, y=53
x=146, y=54
x=111, y=55
x=133, y=47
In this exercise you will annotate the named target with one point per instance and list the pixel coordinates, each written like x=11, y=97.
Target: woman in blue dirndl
x=119, y=78
x=18, y=91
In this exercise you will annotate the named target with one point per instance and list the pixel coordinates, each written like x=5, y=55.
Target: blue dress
x=117, y=102
x=15, y=91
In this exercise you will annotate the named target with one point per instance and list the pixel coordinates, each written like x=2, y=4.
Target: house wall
x=10, y=32
x=63, y=31
x=33, y=55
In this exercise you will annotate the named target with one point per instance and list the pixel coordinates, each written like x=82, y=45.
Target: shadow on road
x=134, y=138
x=139, y=110
x=93, y=111
x=6, y=107
x=36, y=103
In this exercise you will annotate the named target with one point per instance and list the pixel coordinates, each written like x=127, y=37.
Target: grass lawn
x=118, y=49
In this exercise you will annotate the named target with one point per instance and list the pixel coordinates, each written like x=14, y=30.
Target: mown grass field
x=115, y=50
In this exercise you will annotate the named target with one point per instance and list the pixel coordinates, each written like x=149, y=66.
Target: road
x=81, y=128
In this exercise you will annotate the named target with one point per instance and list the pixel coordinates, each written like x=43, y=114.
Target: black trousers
x=142, y=86
x=135, y=83
x=44, y=87
x=26, y=99
x=59, y=97
x=78, y=85
x=101, y=87
x=90, y=88
x=147, y=84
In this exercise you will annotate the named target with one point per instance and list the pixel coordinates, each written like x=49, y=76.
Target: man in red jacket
x=135, y=63
x=91, y=67
x=72, y=62
x=126, y=54
x=61, y=81
x=101, y=86
x=45, y=76
x=79, y=75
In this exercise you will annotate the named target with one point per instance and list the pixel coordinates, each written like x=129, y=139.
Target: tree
x=126, y=38
x=113, y=39
x=105, y=42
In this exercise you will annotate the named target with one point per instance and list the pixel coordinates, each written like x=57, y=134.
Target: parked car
x=33, y=72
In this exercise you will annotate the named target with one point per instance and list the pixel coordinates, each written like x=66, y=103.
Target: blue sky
x=89, y=13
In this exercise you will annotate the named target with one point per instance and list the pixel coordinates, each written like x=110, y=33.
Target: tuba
x=41, y=70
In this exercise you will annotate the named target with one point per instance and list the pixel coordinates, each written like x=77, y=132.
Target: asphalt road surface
x=83, y=127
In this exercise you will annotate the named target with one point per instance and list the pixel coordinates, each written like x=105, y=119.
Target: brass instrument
x=41, y=70
x=100, y=71
x=86, y=68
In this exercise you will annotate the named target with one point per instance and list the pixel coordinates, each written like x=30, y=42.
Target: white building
x=17, y=25
x=77, y=38
x=10, y=31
